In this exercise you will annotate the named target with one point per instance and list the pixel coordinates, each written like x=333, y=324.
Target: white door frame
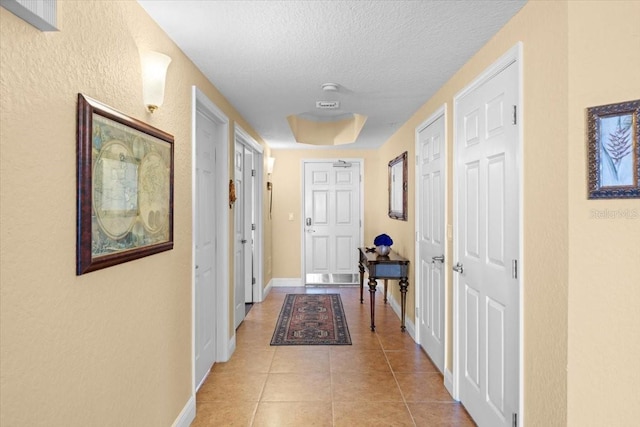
x=440, y=112
x=200, y=103
x=242, y=137
x=303, y=267
x=514, y=55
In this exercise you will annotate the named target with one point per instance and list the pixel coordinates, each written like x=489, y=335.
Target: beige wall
x=576, y=55
x=541, y=27
x=111, y=347
x=604, y=253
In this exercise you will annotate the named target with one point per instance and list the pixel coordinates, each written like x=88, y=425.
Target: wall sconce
x=154, y=73
x=270, y=162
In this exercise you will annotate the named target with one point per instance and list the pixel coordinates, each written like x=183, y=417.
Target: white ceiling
x=270, y=58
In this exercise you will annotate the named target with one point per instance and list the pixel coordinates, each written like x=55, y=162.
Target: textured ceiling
x=270, y=58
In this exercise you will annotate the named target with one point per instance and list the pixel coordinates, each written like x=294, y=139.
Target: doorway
x=210, y=301
x=487, y=203
x=332, y=221
x=431, y=242
x=248, y=231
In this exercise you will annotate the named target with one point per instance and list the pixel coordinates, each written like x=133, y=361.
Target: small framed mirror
x=398, y=187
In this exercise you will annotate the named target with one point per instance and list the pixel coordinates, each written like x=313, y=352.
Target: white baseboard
x=266, y=290
x=187, y=415
x=232, y=346
x=286, y=282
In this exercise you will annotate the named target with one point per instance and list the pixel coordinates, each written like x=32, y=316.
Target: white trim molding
x=286, y=282
x=242, y=137
x=187, y=415
x=513, y=56
x=202, y=104
x=439, y=112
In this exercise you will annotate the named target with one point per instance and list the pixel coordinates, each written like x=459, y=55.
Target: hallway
x=383, y=379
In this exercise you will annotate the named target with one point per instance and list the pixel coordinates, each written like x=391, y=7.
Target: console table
x=391, y=266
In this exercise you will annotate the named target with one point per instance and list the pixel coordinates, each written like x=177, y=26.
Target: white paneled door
x=243, y=234
x=431, y=237
x=332, y=222
x=205, y=247
x=487, y=246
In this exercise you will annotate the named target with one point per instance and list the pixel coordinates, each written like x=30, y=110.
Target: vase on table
x=383, y=250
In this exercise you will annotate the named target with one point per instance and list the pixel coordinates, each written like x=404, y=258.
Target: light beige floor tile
x=300, y=360
x=410, y=361
x=371, y=386
x=247, y=360
x=435, y=414
x=394, y=339
x=293, y=414
x=224, y=413
x=310, y=387
x=365, y=340
x=383, y=379
x=231, y=387
x=371, y=414
x=353, y=359
x=421, y=387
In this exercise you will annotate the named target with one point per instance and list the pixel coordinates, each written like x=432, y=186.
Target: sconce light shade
x=154, y=73
x=270, y=163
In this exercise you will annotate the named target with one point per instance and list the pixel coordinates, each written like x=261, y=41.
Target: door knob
x=438, y=258
x=458, y=268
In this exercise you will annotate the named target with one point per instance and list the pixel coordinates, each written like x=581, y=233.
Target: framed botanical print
x=614, y=151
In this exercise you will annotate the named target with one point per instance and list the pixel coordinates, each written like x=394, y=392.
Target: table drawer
x=387, y=271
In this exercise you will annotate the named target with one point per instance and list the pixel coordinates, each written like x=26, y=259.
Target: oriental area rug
x=311, y=319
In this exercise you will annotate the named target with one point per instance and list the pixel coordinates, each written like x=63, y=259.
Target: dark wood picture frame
x=124, y=188
x=398, y=187
x=613, y=151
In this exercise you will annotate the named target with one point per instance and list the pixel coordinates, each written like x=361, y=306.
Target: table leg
x=361, y=282
x=386, y=282
x=372, y=294
x=404, y=284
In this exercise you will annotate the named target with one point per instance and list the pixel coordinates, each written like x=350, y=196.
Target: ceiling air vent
x=328, y=105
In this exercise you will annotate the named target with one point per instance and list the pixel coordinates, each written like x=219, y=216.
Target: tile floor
x=382, y=379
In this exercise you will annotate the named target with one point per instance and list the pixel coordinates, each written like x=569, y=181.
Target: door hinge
x=253, y=280
x=253, y=227
x=253, y=172
x=515, y=419
x=417, y=313
x=417, y=159
x=514, y=269
x=515, y=115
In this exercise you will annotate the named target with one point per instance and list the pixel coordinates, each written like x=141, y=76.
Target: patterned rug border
x=341, y=330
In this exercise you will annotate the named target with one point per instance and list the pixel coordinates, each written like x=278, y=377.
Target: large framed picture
x=124, y=188
x=614, y=150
